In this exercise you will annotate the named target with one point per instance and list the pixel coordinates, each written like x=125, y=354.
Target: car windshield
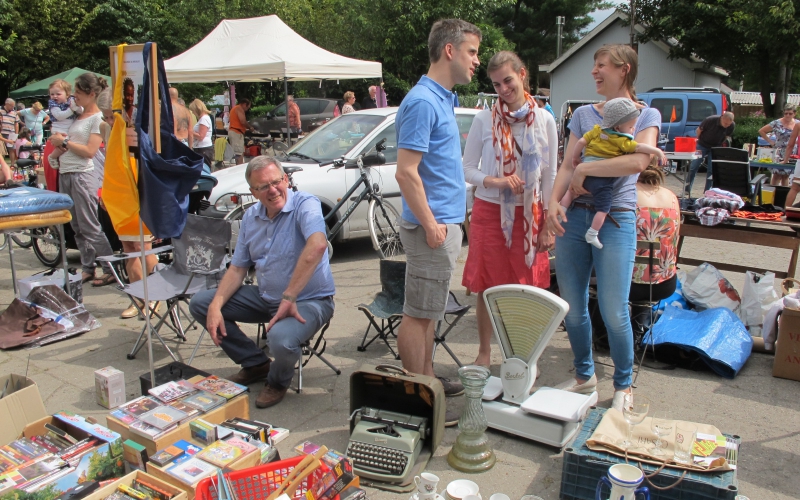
x=337, y=137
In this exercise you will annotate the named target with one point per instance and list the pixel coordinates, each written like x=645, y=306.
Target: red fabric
x=50, y=174
x=490, y=263
x=743, y=214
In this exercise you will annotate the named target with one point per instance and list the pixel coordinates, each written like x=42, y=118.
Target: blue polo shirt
x=426, y=122
x=274, y=245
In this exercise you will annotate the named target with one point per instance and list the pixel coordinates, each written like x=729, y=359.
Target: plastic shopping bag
x=758, y=296
x=706, y=288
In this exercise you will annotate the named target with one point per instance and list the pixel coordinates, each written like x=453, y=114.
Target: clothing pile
x=716, y=206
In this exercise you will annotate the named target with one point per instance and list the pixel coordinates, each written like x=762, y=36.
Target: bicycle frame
x=367, y=192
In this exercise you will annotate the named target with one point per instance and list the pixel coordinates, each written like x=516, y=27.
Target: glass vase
x=471, y=451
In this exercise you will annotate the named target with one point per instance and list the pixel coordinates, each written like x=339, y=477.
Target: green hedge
x=747, y=130
x=257, y=111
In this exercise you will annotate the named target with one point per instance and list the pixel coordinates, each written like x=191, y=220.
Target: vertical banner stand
x=155, y=137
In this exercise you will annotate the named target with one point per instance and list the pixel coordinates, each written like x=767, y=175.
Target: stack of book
x=173, y=403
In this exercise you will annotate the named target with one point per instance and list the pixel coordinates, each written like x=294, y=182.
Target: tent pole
x=286, y=98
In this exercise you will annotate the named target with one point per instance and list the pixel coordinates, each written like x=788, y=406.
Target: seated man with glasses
x=283, y=236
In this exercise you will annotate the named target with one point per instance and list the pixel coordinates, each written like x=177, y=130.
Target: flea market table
x=784, y=234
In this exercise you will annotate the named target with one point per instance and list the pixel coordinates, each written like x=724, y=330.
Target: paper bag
x=613, y=428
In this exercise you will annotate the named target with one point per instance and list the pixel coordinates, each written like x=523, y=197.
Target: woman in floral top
x=782, y=128
x=657, y=219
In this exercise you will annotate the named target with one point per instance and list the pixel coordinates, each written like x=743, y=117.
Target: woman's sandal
x=103, y=280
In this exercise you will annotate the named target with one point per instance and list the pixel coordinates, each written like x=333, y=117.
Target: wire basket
x=257, y=483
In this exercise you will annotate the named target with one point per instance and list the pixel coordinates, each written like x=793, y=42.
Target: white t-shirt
x=79, y=133
x=205, y=142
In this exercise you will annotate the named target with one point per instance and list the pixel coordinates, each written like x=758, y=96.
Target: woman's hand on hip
x=555, y=216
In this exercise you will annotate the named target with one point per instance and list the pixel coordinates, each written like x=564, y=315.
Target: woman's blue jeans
x=613, y=265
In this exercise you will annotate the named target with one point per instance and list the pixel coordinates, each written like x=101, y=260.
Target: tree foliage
x=757, y=40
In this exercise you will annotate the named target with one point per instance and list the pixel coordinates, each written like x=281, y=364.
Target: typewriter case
x=392, y=388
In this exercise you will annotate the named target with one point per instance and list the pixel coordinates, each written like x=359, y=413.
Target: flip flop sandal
x=87, y=277
x=103, y=280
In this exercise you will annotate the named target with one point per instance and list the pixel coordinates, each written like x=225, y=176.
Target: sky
x=599, y=16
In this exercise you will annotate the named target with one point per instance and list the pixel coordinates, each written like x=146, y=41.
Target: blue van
x=691, y=105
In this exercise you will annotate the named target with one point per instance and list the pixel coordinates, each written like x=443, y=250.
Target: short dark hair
x=244, y=100
x=452, y=31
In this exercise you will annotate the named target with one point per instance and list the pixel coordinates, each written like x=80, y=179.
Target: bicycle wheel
x=384, y=229
x=23, y=239
x=46, y=245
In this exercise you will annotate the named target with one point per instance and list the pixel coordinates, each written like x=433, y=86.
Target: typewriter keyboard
x=377, y=461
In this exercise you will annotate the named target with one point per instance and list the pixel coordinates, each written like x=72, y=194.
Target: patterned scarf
x=507, y=153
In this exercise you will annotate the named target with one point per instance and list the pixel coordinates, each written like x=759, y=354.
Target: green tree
x=757, y=40
x=531, y=26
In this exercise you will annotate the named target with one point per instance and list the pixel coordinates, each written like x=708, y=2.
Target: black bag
x=169, y=373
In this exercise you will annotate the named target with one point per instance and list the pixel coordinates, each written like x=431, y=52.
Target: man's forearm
x=310, y=257
x=227, y=287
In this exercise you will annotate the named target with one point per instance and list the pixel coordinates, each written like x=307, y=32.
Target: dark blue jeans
x=284, y=339
x=706, y=153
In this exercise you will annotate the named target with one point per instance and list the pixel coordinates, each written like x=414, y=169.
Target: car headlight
x=227, y=202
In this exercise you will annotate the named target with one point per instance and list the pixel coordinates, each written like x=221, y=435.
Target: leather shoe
x=130, y=312
x=247, y=376
x=451, y=387
x=270, y=396
x=572, y=385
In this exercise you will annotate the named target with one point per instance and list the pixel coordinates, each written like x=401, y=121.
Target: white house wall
x=572, y=79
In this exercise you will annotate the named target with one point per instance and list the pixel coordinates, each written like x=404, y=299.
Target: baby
x=613, y=139
x=62, y=107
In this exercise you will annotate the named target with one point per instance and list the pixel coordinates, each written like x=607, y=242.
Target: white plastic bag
x=706, y=288
x=758, y=296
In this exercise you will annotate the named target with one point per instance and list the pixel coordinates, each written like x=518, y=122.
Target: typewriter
x=385, y=445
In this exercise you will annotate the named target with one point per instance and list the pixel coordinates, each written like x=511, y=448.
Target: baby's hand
x=662, y=158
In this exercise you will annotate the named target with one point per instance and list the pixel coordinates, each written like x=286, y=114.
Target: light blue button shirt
x=274, y=246
x=426, y=122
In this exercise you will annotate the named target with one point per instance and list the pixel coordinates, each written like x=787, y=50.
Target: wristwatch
x=65, y=143
x=289, y=298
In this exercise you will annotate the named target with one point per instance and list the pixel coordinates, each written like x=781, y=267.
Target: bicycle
x=382, y=216
x=24, y=171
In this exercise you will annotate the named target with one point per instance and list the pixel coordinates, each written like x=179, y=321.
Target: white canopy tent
x=262, y=49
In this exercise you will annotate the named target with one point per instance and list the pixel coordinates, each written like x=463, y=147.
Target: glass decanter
x=471, y=451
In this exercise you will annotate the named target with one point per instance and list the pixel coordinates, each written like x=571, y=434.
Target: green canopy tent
x=42, y=87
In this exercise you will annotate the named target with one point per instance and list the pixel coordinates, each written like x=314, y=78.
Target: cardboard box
x=236, y=407
x=246, y=461
x=109, y=387
x=787, y=348
x=105, y=491
x=21, y=405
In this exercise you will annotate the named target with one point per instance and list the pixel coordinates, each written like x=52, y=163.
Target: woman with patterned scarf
x=511, y=156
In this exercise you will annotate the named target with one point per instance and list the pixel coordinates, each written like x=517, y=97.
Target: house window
x=665, y=106
x=700, y=109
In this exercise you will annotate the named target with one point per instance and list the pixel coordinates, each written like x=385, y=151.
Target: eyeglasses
x=267, y=186
x=785, y=113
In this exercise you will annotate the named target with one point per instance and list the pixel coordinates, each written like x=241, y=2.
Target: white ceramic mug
x=426, y=485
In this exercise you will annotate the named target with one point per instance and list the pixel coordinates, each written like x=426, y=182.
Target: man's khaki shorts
x=428, y=270
x=237, y=141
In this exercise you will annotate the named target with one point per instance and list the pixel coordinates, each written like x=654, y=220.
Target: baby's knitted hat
x=619, y=110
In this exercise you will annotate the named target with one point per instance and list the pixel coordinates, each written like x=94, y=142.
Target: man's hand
x=285, y=310
x=435, y=236
x=214, y=322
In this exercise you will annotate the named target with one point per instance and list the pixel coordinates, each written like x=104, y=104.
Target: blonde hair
x=199, y=108
x=104, y=99
x=37, y=106
x=653, y=175
x=63, y=85
x=348, y=95
x=507, y=57
x=622, y=55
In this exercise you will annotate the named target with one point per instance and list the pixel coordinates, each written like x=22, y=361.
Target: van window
x=700, y=109
x=308, y=106
x=664, y=106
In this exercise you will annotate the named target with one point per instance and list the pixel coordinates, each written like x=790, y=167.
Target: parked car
x=691, y=104
x=314, y=112
x=348, y=136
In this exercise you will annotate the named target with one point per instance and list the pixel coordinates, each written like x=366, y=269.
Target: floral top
x=657, y=224
x=782, y=134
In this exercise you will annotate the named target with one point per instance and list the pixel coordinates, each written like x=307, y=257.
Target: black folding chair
x=731, y=171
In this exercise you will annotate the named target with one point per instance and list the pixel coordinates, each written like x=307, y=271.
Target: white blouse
x=479, y=161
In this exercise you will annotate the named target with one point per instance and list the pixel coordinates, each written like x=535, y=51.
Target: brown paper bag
x=613, y=428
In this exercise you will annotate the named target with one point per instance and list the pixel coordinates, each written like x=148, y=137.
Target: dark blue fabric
x=165, y=180
x=602, y=189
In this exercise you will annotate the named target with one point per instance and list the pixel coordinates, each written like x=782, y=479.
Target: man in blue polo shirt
x=284, y=237
x=431, y=178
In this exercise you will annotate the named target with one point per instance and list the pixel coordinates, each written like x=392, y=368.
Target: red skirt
x=50, y=174
x=490, y=262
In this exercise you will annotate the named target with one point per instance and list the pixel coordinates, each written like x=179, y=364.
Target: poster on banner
x=132, y=79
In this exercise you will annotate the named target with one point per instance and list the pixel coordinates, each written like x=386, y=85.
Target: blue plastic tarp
x=717, y=335
x=28, y=200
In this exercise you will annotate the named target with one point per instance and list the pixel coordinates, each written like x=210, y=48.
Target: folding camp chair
x=307, y=350
x=199, y=261
x=387, y=306
x=456, y=311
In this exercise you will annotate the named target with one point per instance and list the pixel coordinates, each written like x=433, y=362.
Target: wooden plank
x=749, y=235
x=731, y=267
